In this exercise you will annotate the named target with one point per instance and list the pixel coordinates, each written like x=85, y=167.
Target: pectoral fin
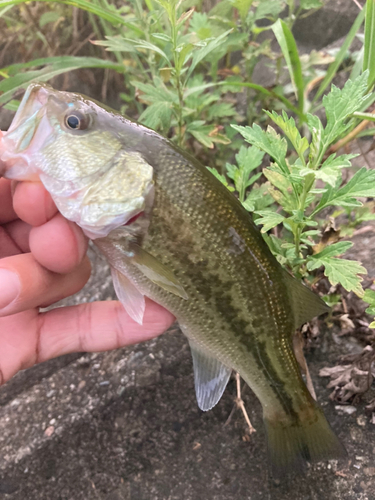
x=132, y=300
x=210, y=376
x=157, y=272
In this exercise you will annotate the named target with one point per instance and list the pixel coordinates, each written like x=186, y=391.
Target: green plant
x=304, y=183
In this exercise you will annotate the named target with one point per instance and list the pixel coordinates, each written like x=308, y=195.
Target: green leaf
x=289, y=49
x=317, y=135
x=48, y=17
x=268, y=219
x=362, y=184
x=248, y=159
x=221, y=178
x=258, y=198
x=288, y=126
x=143, y=44
x=369, y=297
x=200, y=54
x=115, y=44
x=342, y=271
x=341, y=103
x=332, y=70
x=157, y=115
x=369, y=43
x=221, y=110
x=205, y=134
x=269, y=8
x=270, y=142
x=53, y=66
x=333, y=250
x=156, y=92
x=330, y=171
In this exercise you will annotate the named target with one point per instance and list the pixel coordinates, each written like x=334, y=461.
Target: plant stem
x=172, y=11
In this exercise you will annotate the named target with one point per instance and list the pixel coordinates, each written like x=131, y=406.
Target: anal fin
x=210, y=377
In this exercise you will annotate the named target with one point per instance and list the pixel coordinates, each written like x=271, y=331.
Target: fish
x=172, y=232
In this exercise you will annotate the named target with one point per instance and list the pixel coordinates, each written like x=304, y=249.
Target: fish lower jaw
x=16, y=168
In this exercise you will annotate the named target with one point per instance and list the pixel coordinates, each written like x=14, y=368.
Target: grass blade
x=332, y=70
x=369, y=43
x=289, y=49
x=108, y=15
x=55, y=66
x=264, y=91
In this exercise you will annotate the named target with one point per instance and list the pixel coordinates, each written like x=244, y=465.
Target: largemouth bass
x=172, y=232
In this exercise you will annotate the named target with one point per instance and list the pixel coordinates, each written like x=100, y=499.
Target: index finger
x=33, y=204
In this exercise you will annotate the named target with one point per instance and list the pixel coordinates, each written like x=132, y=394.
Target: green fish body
x=172, y=232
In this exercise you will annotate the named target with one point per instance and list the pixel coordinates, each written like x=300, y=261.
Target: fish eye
x=75, y=120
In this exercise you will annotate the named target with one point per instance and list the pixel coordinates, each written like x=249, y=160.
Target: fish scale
x=172, y=232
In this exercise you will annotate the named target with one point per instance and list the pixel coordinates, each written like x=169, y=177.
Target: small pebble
x=49, y=431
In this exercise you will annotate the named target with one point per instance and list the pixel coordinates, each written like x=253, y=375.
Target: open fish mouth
x=25, y=135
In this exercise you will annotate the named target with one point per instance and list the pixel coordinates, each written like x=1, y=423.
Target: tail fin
x=292, y=442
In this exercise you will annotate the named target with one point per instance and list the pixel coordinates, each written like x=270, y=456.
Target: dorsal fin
x=306, y=304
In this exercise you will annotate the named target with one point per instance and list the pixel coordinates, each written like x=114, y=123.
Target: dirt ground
x=125, y=425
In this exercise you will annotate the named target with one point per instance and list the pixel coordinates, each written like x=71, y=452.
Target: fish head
x=78, y=150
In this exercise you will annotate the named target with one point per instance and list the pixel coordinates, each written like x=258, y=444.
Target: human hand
x=42, y=260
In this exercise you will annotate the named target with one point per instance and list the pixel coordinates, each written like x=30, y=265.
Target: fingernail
x=10, y=288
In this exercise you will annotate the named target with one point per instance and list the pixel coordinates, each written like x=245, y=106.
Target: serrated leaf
x=269, y=142
x=341, y=103
x=258, y=198
x=317, y=134
x=369, y=297
x=248, y=159
x=342, y=271
x=202, y=53
x=269, y=8
x=157, y=115
x=268, y=219
x=339, y=270
x=221, y=109
x=242, y=6
x=278, y=180
x=330, y=171
x=362, y=184
x=288, y=126
x=143, y=44
x=154, y=93
x=333, y=250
